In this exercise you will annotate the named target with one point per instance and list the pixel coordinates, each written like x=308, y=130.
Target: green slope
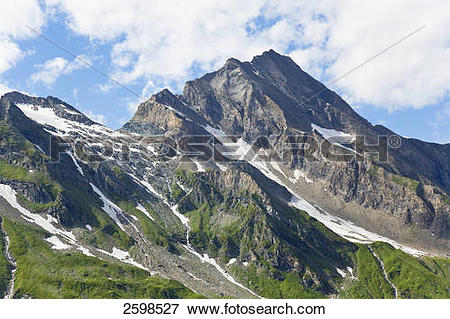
x=370, y=283
x=422, y=277
x=5, y=272
x=414, y=277
x=44, y=273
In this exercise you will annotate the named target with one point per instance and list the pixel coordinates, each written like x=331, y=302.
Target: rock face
x=165, y=114
x=268, y=95
x=271, y=96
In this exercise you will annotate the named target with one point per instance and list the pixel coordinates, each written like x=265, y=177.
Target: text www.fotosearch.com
x=240, y=309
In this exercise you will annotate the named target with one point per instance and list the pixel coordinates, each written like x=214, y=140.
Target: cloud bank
x=52, y=69
x=157, y=44
x=14, y=15
x=164, y=43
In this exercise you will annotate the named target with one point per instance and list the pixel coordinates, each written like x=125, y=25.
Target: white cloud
x=410, y=74
x=160, y=41
x=4, y=88
x=132, y=106
x=10, y=53
x=52, y=69
x=14, y=17
x=132, y=103
x=99, y=118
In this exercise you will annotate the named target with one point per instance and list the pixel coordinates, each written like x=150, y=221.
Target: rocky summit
x=256, y=181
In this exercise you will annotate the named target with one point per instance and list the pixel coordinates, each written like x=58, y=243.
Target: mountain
x=271, y=96
x=147, y=211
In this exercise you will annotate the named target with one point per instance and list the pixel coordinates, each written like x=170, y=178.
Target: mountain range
x=256, y=181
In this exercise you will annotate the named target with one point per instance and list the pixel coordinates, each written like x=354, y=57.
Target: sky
x=46, y=46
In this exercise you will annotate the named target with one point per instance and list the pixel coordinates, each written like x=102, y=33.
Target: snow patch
x=85, y=251
x=346, y=228
x=200, y=167
x=334, y=136
x=109, y=207
x=341, y=272
x=113, y=210
x=206, y=259
x=193, y=276
x=350, y=271
x=76, y=163
x=57, y=243
x=123, y=256
x=9, y=293
x=184, y=220
x=51, y=219
x=39, y=148
x=142, y=209
x=216, y=132
x=147, y=185
x=45, y=116
x=386, y=277
x=183, y=188
x=297, y=174
x=231, y=261
x=223, y=168
x=277, y=167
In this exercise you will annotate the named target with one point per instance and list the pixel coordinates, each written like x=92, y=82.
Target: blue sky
x=151, y=45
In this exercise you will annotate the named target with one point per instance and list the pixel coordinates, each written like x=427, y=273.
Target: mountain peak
x=232, y=63
x=273, y=57
x=270, y=56
x=18, y=97
x=164, y=96
x=61, y=108
x=272, y=53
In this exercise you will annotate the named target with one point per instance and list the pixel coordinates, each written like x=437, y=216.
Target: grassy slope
x=291, y=287
x=424, y=277
x=44, y=273
x=5, y=273
x=371, y=283
x=414, y=277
